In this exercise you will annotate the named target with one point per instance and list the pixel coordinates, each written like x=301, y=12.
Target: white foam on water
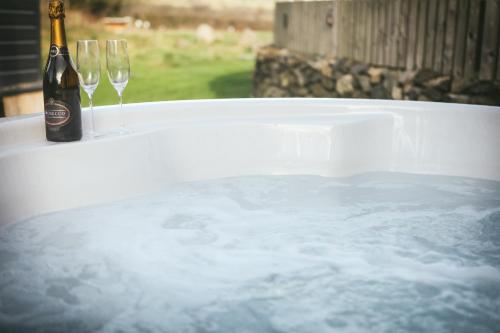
x=376, y=252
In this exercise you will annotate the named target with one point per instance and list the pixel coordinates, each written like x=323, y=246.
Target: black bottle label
x=57, y=113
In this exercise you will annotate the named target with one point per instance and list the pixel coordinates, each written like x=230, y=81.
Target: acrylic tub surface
x=199, y=140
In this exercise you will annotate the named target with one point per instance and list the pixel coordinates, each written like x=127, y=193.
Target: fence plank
x=290, y=31
x=369, y=32
x=296, y=10
x=305, y=28
x=297, y=31
x=376, y=32
x=387, y=31
x=394, y=8
x=340, y=27
x=353, y=22
x=449, y=39
x=422, y=25
x=278, y=25
x=327, y=28
x=402, y=38
x=472, y=40
x=460, y=38
x=430, y=34
x=396, y=11
x=322, y=44
x=335, y=29
x=345, y=29
x=387, y=4
x=382, y=42
x=318, y=20
x=291, y=22
x=314, y=30
x=321, y=13
x=490, y=40
x=310, y=28
x=373, y=32
x=439, y=43
x=276, y=28
x=355, y=29
x=365, y=46
x=302, y=22
x=362, y=31
x=317, y=25
x=383, y=32
x=412, y=35
x=352, y=29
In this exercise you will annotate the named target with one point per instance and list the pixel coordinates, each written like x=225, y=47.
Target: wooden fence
x=453, y=37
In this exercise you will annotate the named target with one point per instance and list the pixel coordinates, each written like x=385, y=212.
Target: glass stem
x=92, y=126
x=122, y=123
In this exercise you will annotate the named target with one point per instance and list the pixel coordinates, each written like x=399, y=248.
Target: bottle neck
x=57, y=32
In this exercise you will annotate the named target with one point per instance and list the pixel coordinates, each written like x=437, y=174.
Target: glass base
x=99, y=135
x=89, y=136
x=123, y=130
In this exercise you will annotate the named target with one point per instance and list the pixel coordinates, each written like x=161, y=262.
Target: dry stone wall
x=280, y=73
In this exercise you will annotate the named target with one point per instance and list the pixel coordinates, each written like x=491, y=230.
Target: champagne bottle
x=61, y=88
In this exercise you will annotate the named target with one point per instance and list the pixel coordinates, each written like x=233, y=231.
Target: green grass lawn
x=171, y=64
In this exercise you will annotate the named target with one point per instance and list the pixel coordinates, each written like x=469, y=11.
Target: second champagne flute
x=88, y=65
x=118, y=70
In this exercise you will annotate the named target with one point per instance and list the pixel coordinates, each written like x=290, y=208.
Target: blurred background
x=179, y=49
x=419, y=50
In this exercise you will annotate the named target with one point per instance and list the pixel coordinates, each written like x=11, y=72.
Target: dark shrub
x=99, y=7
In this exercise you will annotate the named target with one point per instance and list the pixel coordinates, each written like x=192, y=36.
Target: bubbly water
x=372, y=253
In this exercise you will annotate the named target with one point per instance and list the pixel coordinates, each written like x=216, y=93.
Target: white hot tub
x=277, y=153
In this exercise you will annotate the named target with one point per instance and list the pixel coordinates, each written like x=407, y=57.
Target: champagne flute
x=118, y=70
x=88, y=66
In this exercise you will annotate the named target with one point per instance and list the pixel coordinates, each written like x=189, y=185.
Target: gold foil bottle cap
x=56, y=9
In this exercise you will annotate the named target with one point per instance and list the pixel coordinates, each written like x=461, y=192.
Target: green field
x=171, y=64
